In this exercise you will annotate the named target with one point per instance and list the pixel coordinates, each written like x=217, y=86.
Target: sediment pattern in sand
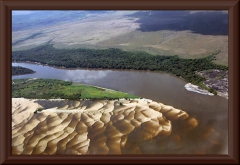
x=97, y=127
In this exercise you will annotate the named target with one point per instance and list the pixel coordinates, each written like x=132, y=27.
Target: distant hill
x=29, y=20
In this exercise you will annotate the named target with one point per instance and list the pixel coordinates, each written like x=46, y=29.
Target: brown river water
x=211, y=112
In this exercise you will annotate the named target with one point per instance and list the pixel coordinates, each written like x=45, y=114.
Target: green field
x=58, y=89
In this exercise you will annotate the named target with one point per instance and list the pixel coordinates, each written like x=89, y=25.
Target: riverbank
x=225, y=95
x=113, y=58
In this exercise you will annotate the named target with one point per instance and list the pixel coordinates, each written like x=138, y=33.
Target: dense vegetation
x=53, y=89
x=18, y=70
x=117, y=59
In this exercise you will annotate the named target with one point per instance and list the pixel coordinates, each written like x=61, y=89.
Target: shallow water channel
x=210, y=111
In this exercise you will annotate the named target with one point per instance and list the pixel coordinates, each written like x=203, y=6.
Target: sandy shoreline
x=94, y=127
x=195, y=88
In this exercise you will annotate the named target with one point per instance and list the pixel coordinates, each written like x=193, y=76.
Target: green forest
x=18, y=70
x=118, y=59
x=54, y=89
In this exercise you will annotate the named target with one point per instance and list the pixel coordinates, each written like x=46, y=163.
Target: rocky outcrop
x=217, y=80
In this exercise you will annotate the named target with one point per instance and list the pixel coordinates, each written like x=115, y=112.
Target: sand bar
x=98, y=127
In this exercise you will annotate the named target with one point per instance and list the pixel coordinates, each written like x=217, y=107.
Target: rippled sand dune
x=102, y=127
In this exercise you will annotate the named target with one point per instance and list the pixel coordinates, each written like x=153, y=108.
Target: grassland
x=58, y=89
x=32, y=36
x=119, y=30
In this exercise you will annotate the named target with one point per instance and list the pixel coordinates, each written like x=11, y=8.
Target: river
x=210, y=111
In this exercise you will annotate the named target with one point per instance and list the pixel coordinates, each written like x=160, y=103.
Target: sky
x=22, y=12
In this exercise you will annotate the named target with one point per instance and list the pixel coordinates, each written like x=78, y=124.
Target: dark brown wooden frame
x=5, y=80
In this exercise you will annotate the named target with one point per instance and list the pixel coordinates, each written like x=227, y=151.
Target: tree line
x=118, y=59
x=18, y=70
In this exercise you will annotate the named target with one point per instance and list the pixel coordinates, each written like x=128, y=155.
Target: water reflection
x=62, y=74
x=85, y=76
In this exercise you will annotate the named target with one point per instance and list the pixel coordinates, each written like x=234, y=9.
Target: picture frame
x=5, y=80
